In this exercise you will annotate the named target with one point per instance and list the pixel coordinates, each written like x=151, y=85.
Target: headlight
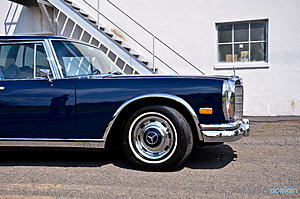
x=228, y=97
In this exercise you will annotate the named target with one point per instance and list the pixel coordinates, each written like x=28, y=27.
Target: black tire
x=157, y=138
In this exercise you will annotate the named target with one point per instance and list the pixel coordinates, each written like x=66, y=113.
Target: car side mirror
x=45, y=73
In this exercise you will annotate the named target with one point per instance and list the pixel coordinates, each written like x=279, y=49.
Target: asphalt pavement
x=258, y=166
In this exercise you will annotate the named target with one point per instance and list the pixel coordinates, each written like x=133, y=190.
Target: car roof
x=29, y=37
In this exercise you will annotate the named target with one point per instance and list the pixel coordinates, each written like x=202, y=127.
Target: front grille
x=238, y=104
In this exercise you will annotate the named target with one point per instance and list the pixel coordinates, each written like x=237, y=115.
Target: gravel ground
x=247, y=168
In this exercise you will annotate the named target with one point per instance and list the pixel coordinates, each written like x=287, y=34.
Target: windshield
x=78, y=59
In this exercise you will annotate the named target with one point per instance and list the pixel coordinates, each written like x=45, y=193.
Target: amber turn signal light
x=205, y=111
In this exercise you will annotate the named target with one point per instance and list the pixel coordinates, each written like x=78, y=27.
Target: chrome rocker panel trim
x=225, y=132
x=53, y=142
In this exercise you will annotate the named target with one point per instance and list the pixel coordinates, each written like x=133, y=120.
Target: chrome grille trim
x=239, y=98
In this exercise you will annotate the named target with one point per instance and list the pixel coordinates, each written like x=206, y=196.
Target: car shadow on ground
x=210, y=157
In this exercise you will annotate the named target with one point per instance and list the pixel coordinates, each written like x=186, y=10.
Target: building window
x=242, y=42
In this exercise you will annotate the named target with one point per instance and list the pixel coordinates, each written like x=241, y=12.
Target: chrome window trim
x=58, y=66
x=156, y=95
x=51, y=59
x=34, y=61
x=22, y=42
x=53, y=142
x=30, y=39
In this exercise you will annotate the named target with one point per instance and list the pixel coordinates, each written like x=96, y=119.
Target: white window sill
x=241, y=66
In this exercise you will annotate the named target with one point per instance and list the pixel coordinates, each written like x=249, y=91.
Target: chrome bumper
x=228, y=132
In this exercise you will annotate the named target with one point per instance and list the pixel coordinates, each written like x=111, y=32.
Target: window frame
x=239, y=64
x=35, y=43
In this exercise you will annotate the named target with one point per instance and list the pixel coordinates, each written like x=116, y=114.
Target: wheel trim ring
x=132, y=147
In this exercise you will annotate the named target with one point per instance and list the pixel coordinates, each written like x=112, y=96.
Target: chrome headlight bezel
x=228, y=99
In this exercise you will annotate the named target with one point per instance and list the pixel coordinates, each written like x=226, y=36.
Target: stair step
x=75, y=6
x=150, y=66
x=134, y=53
x=108, y=32
x=117, y=39
x=68, y=1
x=126, y=46
x=83, y=13
x=143, y=60
x=92, y=20
x=101, y=26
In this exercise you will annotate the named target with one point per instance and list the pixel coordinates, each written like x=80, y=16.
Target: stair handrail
x=130, y=36
x=145, y=29
x=137, y=23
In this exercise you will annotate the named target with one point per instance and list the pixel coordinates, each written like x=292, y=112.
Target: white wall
x=16, y=19
x=189, y=27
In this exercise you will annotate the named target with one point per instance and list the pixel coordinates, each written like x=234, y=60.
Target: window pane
x=225, y=53
x=41, y=59
x=16, y=61
x=224, y=33
x=258, y=52
x=242, y=52
x=26, y=70
x=258, y=31
x=241, y=32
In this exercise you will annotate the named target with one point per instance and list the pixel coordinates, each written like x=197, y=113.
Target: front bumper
x=228, y=132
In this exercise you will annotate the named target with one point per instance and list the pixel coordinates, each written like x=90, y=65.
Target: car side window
x=41, y=60
x=22, y=61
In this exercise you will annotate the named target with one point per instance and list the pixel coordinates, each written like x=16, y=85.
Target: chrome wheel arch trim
x=155, y=95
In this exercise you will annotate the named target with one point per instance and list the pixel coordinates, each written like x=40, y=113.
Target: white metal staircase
x=66, y=18
x=73, y=22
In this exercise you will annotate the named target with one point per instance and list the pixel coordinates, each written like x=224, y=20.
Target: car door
x=31, y=106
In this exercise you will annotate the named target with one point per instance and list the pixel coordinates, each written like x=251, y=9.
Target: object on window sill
x=229, y=57
x=244, y=56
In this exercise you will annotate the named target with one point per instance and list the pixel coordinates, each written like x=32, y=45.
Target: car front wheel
x=157, y=138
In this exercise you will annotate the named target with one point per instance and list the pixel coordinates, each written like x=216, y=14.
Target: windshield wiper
x=113, y=73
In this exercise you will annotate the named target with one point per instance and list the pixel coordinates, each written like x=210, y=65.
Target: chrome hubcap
x=152, y=137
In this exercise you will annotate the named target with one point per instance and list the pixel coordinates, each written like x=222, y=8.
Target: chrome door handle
x=2, y=88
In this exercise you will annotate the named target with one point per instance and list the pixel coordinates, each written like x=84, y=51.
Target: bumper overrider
x=228, y=132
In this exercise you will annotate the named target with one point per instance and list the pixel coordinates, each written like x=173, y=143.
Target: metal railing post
x=153, y=51
x=98, y=15
x=153, y=37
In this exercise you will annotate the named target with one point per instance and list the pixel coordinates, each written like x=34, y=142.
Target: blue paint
x=37, y=108
x=83, y=107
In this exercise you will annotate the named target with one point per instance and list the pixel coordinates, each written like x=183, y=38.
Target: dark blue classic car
x=56, y=92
